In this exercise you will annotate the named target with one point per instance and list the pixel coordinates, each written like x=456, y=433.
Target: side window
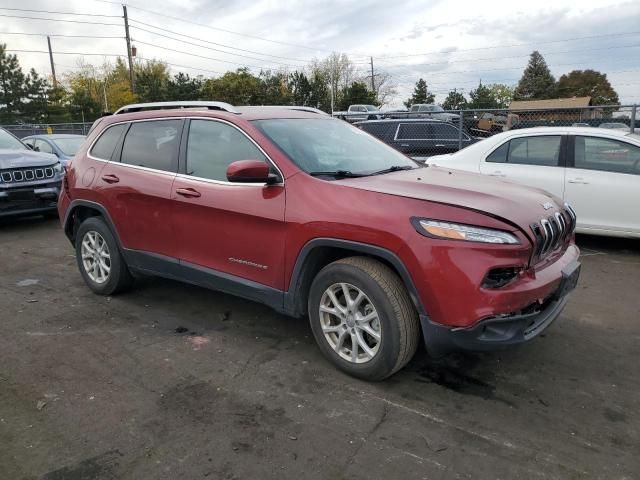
x=593, y=153
x=499, y=155
x=413, y=131
x=212, y=146
x=543, y=151
x=153, y=144
x=106, y=144
x=444, y=131
x=378, y=130
x=42, y=146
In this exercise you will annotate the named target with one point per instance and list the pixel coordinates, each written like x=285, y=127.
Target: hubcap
x=96, y=258
x=350, y=323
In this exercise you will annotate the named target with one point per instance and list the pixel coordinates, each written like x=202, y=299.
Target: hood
x=25, y=158
x=513, y=203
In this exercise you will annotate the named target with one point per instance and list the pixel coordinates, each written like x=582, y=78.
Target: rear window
x=106, y=144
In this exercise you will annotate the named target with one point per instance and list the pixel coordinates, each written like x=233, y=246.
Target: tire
x=118, y=277
x=385, y=297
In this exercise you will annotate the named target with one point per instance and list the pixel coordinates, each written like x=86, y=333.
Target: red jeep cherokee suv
x=312, y=216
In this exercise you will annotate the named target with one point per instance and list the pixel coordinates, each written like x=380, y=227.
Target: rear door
x=603, y=184
x=136, y=185
x=534, y=160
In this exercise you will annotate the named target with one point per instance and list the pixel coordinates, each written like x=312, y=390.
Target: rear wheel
x=99, y=259
x=362, y=318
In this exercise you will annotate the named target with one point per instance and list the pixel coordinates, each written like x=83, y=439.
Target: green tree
x=11, y=86
x=588, y=83
x=482, y=97
x=357, y=92
x=238, y=88
x=35, y=99
x=300, y=88
x=537, y=82
x=320, y=96
x=421, y=94
x=503, y=94
x=183, y=87
x=152, y=78
x=274, y=88
x=455, y=101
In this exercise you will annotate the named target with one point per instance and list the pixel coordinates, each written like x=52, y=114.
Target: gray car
x=62, y=146
x=29, y=181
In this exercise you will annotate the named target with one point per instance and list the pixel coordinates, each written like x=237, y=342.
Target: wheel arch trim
x=291, y=296
x=75, y=204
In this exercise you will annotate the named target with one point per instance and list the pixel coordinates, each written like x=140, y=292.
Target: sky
x=451, y=44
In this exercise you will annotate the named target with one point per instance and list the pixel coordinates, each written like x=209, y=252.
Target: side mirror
x=29, y=146
x=250, y=171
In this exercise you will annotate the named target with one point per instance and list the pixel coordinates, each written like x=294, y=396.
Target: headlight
x=458, y=231
x=58, y=168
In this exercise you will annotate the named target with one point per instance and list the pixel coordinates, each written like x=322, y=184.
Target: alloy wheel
x=96, y=258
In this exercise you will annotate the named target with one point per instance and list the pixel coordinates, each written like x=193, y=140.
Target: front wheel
x=362, y=318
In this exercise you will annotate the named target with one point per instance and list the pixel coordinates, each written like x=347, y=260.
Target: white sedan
x=595, y=170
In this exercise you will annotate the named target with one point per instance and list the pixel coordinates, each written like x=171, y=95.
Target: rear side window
x=153, y=144
x=414, y=131
x=212, y=146
x=594, y=153
x=106, y=144
x=542, y=151
x=378, y=130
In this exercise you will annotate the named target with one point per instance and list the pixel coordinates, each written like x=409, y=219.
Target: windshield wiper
x=394, y=168
x=337, y=174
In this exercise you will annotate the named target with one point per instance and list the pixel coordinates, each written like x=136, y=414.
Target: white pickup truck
x=359, y=113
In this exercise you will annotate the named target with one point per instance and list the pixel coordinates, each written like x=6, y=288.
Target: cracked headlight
x=458, y=231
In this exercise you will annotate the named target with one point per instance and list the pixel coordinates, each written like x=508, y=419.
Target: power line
x=49, y=19
x=222, y=29
x=183, y=66
x=211, y=48
x=58, y=35
x=508, y=46
x=202, y=56
x=205, y=41
x=511, y=57
x=66, y=53
x=60, y=13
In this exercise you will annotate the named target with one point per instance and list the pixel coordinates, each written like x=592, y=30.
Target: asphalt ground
x=171, y=381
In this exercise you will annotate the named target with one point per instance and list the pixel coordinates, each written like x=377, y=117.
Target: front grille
x=26, y=174
x=553, y=231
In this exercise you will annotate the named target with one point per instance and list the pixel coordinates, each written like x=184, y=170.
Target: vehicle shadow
x=611, y=244
x=24, y=223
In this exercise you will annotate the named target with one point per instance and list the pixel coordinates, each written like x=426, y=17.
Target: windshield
x=8, y=141
x=70, y=145
x=325, y=145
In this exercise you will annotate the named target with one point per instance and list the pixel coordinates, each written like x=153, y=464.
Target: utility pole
x=53, y=67
x=373, y=83
x=132, y=79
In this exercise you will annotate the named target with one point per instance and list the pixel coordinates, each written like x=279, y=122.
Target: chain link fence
x=24, y=130
x=433, y=131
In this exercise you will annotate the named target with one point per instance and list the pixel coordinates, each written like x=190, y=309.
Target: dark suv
x=29, y=181
x=314, y=217
x=418, y=137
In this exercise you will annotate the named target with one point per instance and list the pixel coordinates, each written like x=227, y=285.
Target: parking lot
x=173, y=381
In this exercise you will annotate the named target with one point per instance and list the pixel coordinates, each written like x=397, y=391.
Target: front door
x=537, y=161
x=136, y=185
x=227, y=228
x=603, y=184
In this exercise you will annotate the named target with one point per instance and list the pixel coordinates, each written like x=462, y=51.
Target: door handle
x=110, y=178
x=404, y=144
x=578, y=181
x=497, y=173
x=188, y=192
x=439, y=145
